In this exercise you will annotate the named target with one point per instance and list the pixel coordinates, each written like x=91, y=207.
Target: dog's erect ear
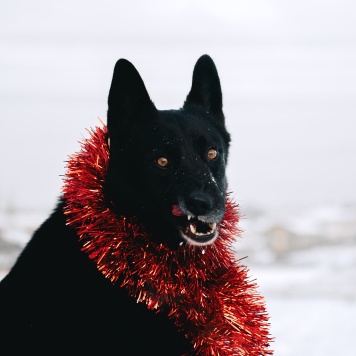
x=128, y=97
x=205, y=93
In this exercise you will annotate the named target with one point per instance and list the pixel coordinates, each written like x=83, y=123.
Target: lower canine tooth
x=192, y=228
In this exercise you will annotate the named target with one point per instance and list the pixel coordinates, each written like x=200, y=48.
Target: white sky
x=287, y=68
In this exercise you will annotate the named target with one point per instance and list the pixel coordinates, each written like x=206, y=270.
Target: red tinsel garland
x=206, y=290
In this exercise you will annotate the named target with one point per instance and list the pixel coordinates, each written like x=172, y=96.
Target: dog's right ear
x=128, y=98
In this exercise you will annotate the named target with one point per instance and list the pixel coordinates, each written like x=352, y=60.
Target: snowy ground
x=312, y=326
x=312, y=302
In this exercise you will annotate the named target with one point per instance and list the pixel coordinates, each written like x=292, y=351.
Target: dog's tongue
x=176, y=211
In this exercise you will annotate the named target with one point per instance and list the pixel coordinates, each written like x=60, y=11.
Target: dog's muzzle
x=196, y=230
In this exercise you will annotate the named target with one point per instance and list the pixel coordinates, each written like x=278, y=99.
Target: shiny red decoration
x=208, y=293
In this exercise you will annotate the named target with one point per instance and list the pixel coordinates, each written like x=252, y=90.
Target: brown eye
x=212, y=154
x=162, y=162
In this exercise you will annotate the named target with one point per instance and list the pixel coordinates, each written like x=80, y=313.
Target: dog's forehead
x=179, y=125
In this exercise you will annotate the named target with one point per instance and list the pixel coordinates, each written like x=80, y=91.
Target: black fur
x=54, y=299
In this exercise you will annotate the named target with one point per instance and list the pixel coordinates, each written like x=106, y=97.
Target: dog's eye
x=212, y=154
x=162, y=161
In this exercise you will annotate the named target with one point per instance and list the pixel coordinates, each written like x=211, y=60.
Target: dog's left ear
x=205, y=94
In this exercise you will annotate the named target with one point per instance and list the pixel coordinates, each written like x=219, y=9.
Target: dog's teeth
x=189, y=217
x=181, y=243
x=212, y=226
x=193, y=229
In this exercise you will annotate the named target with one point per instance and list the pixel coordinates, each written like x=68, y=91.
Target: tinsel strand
x=208, y=296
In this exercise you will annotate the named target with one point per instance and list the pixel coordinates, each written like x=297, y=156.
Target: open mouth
x=194, y=230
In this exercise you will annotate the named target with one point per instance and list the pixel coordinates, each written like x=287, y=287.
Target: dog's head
x=168, y=166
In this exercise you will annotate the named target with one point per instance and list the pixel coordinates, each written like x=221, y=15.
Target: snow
x=311, y=300
x=312, y=309
x=318, y=327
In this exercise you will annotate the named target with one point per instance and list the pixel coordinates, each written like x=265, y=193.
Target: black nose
x=199, y=203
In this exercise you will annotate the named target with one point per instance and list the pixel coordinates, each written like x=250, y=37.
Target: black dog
x=167, y=170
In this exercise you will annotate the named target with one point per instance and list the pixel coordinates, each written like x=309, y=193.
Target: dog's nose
x=199, y=203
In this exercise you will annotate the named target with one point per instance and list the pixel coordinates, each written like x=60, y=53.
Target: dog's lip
x=190, y=229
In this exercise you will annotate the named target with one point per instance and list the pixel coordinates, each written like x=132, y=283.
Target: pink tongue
x=176, y=211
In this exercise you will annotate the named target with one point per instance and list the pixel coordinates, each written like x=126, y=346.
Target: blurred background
x=288, y=74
